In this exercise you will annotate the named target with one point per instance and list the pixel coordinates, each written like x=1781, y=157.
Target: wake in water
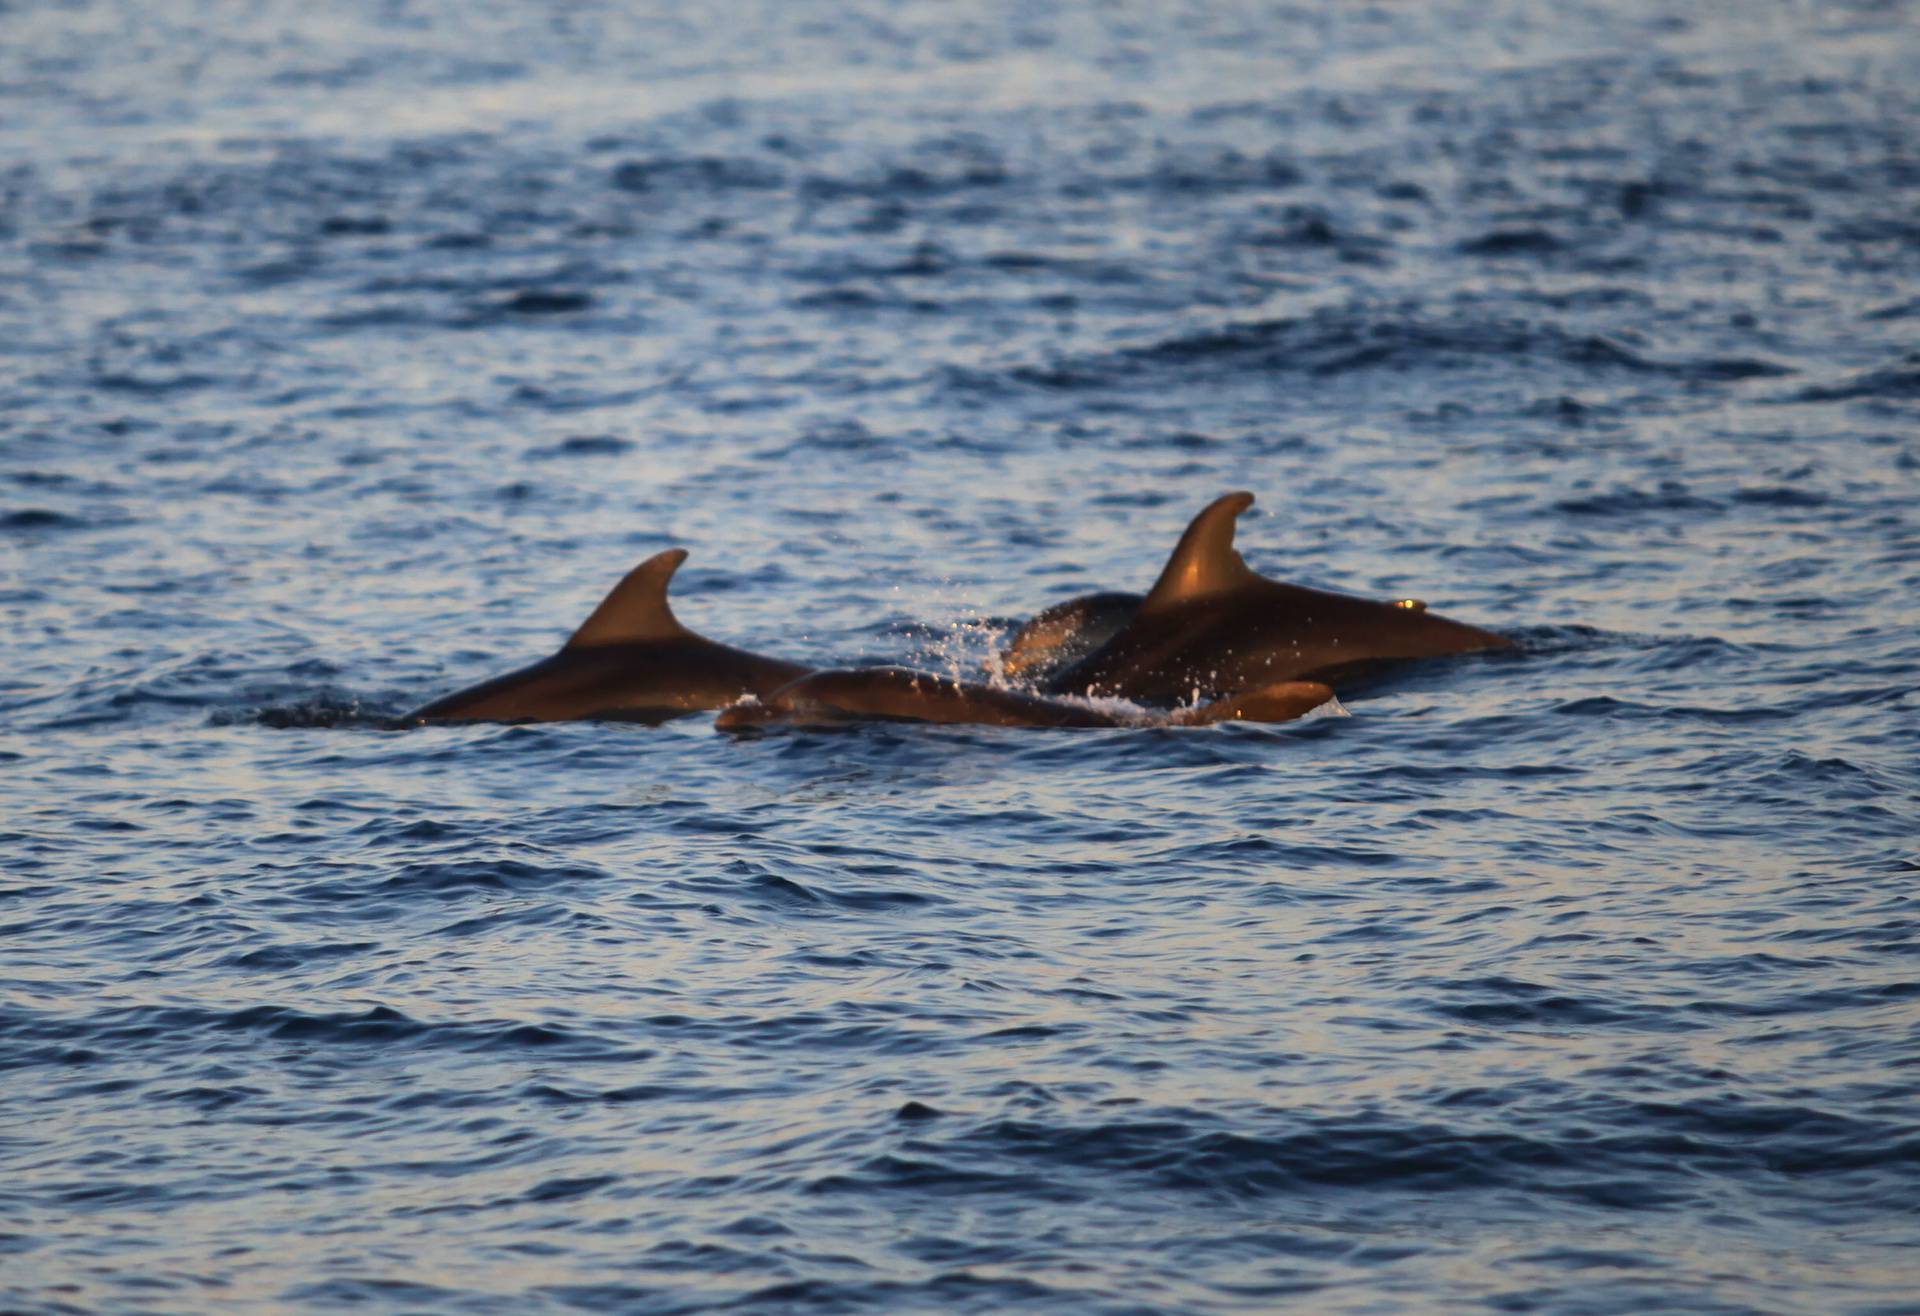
x=322, y=710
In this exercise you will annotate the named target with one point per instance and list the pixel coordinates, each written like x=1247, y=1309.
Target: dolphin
x=631, y=661
x=1065, y=633
x=1057, y=637
x=896, y=694
x=1210, y=627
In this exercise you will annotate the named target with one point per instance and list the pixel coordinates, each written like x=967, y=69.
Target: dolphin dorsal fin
x=636, y=610
x=1204, y=561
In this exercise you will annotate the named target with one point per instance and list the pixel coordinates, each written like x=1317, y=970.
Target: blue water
x=350, y=352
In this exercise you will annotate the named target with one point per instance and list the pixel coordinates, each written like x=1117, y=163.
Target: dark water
x=349, y=352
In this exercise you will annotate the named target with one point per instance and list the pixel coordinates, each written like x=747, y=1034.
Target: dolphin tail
x=1281, y=701
x=1204, y=562
x=636, y=610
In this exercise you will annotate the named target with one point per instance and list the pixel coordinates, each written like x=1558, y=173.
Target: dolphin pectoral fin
x=1204, y=562
x=1281, y=701
x=636, y=610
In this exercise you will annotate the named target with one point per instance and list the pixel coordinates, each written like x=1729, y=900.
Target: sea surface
x=349, y=352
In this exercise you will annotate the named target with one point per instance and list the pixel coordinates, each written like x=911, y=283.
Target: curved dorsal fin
x=636, y=610
x=1204, y=561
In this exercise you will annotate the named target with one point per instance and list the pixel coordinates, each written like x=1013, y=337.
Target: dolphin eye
x=1411, y=605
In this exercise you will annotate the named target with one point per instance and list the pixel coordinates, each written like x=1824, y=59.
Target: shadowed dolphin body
x=1210, y=626
x=896, y=694
x=1066, y=633
x=631, y=661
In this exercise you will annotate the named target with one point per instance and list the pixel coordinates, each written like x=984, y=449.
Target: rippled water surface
x=349, y=353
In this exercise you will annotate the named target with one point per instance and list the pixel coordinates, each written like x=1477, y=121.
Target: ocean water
x=350, y=352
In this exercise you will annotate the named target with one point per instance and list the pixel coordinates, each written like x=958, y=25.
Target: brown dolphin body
x=630, y=661
x=895, y=694
x=1210, y=626
x=1067, y=632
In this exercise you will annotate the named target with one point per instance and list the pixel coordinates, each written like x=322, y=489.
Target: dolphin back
x=631, y=660
x=1211, y=627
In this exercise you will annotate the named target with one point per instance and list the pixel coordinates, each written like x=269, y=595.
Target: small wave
x=823, y=891
x=1668, y=496
x=1514, y=242
x=1336, y=343
x=541, y=301
x=31, y=519
x=690, y=173
x=922, y=180
x=584, y=445
x=355, y=226
x=1880, y=230
x=1509, y=1003
x=121, y=381
x=460, y=877
x=1780, y=495
x=1901, y=381
x=361, y=1291
x=1895, y=311
x=284, y=958
x=120, y=1030
x=388, y=315
x=1067, y=1162
x=852, y=298
x=1312, y=228
x=1203, y=170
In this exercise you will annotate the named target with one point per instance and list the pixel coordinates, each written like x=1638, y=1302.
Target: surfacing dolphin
x=1210, y=627
x=1065, y=633
x=631, y=661
x=896, y=694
